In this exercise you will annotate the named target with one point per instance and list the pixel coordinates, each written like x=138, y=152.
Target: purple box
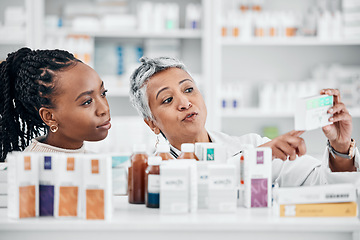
x=46, y=200
x=259, y=192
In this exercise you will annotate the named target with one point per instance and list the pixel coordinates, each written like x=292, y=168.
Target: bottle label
x=153, y=183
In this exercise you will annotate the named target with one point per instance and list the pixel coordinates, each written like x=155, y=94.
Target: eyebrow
x=88, y=92
x=165, y=88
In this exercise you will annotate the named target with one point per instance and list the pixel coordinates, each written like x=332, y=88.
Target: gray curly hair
x=140, y=77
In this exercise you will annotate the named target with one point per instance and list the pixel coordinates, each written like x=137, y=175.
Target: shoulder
x=250, y=138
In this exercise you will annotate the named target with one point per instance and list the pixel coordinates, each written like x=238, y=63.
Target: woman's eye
x=104, y=93
x=168, y=100
x=189, y=90
x=87, y=102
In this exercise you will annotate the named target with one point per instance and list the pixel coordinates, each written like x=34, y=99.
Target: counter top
x=137, y=221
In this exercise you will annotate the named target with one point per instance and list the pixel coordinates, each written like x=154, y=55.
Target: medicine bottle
x=152, y=182
x=137, y=174
x=163, y=150
x=188, y=151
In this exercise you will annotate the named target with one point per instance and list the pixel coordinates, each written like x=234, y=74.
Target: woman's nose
x=184, y=104
x=103, y=107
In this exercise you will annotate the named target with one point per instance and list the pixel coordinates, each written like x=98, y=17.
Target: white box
x=23, y=185
x=3, y=201
x=68, y=186
x=203, y=184
x=97, y=187
x=330, y=193
x=174, y=188
x=257, y=177
x=311, y=112
x=47, y=176
x=222, y=188
x=3, y=172
x=3, y=188
x=120, y=165
x=212, y=152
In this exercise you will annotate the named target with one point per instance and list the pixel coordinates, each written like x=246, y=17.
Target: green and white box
x=311, y=112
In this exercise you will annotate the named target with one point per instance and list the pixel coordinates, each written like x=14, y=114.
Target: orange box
x=94, y=166
x=68, y=201
x=27, y=201
x=27, y=163
x=95, y=204
x=70, y=164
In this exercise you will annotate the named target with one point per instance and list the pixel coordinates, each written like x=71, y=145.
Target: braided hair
x=27, y=83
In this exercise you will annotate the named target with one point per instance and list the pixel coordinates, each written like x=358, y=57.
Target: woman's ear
x=47, y=116
x=152, y=126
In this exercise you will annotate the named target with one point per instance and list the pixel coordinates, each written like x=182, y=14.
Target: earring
x=190, y=104
x=54, y=128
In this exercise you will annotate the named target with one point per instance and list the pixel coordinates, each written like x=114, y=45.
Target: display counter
x=138, y=222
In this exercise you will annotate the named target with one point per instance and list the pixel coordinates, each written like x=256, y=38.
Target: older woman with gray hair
x=166, y=96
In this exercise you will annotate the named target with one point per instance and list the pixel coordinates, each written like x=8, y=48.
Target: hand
x=338, y=133
x=287, y=145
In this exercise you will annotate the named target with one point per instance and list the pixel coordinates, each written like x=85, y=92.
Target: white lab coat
x=305, y=170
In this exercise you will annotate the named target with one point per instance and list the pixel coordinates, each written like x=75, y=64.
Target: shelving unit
x=260, y=60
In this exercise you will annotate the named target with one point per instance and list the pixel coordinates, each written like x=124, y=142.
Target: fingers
x=344, y=116
x=295, y=133
x=332, y=92
x=338, y=108
x=277, y=153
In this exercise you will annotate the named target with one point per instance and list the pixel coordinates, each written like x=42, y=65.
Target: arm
x=339, y=134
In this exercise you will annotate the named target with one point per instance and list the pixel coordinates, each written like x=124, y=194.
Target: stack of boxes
x=3, y=185
x=351, y=11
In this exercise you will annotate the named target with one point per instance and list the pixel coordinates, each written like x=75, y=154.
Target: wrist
x=347, y=154
x=343, y=147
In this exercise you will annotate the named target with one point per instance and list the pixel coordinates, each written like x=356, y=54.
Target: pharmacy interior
x=259, y=65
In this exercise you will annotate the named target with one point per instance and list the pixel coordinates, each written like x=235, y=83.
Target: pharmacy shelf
x=135, y=221
x=296, y=41
x=259, y=113
x=181, y=33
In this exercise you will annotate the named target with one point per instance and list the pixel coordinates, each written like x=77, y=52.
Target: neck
x=54, y=139
x=177, y=141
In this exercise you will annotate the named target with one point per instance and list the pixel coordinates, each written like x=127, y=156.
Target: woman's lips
x=190, y=117
x=106, y=125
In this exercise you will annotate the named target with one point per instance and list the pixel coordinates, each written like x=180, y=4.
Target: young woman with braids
x=50, y=102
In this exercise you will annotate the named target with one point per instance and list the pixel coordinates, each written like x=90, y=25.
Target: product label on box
x=95, y=204
x=259, y=157
x=46, y=200
x=70, y=164
x=27, y=203
x=68, y=201
x=94, y=166
x=153, y=183
x=27, y=163
x=222, y=183
x=259, y=192
x=210, y=154
x=47, y=162
x=174, y=184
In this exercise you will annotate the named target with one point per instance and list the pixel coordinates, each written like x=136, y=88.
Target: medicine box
x=68, y=186
x=23, y=185
x=222, y=188
x=120, y=165
x=311, y=112
x=174, y=188
x=47, y=176
x=97, y=187
x=210, y=152
x=203, y=184
x=257, y=177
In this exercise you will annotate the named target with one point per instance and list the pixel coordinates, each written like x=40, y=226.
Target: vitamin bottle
x=163, y=150
x=136, y=177
x=188, y=151
x=152, y=182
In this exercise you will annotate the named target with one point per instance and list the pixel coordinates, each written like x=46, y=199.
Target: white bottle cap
x=154, y=160
x=139, y=148
x=163, y=148
x=187, y=147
